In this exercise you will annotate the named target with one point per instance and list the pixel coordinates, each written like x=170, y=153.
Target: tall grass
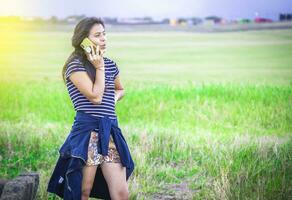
x=244, y=108
x=223, y=141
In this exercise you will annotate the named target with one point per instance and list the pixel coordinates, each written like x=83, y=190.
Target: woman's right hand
x=95, y=58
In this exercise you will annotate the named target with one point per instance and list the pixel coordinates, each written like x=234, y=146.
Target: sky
x=157, y=9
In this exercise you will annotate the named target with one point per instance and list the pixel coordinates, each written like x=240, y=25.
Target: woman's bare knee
x=120, y=193
x=87, y=181
x=124, y=194
x=86, y=189
x=86, y=192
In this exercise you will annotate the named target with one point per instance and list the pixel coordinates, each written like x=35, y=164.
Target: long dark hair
x=81, y=31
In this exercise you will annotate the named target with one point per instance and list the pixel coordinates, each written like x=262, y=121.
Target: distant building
x=211, y=20
x=182, y=21
x=165, y=21
x=173, y=22
x=109, y=20
x=262, y=20
x=137, y=21
x=72, y=19
x=132, y=21
x=244, y=21
x=208, y=22
x=185, y=21
x=215, y=19
x=285, y=17
x=194, y=21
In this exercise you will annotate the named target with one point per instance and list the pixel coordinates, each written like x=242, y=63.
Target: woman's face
x=97, y=36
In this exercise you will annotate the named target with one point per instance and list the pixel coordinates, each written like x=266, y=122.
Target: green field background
x=206, y=115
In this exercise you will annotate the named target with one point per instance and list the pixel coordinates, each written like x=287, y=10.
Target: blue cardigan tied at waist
x=66, y=180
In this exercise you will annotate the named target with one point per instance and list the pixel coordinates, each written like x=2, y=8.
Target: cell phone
x=86, y=45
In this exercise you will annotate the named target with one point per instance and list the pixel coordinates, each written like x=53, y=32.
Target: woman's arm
x=119, y=89
x=92, y=91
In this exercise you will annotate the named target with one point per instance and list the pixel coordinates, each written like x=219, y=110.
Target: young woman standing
x=94, y=160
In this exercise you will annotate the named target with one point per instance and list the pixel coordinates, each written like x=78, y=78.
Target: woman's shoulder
x=74, y=65
x=75, y=60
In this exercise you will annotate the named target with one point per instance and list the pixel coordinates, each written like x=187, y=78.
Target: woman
x=94, y=160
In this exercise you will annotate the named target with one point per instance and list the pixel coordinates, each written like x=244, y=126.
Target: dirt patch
x=180, y=191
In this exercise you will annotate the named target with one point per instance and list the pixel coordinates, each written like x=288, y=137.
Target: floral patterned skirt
x=94, y=158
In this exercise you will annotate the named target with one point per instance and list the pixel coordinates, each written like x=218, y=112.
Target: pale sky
x=230, y=9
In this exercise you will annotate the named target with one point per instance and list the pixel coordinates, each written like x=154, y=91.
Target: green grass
x=206, y=116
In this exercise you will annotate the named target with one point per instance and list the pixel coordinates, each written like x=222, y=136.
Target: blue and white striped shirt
x=81, y=103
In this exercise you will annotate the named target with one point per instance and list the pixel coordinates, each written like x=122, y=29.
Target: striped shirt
x=81, y=103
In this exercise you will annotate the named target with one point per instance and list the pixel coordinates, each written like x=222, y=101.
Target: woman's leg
x=89, y=170
x=115, y=176
x=87, y=180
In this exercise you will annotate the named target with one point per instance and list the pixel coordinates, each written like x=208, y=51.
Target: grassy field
x=206, y=116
